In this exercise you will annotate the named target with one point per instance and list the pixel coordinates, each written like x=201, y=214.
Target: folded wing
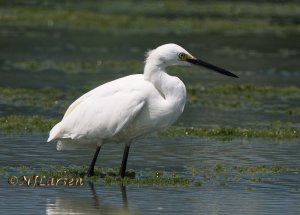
x=98, y=116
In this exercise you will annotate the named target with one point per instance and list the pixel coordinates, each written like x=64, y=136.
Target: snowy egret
x=130, y=107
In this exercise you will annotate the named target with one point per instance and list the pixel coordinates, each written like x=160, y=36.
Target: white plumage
x=127, y=108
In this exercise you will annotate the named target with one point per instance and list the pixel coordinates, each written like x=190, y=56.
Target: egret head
x=172, y=54
x=169, y=54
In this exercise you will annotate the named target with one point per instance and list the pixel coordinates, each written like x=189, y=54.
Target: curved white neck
x=168, y=86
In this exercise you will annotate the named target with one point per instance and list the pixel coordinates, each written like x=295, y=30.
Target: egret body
x=125, y=109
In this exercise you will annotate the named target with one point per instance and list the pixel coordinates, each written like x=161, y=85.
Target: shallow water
x=30, y=57
x=274, y=194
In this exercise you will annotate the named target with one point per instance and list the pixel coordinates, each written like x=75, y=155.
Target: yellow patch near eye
x=183, y=56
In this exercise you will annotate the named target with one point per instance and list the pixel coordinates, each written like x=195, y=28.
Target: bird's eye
x=182, y=56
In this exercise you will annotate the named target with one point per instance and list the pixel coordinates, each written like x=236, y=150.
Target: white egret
x=130, y=107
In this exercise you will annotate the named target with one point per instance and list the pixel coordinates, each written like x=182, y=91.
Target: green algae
x=108, y=175
x=239, y=17
x=36, y=123
x=44, y=99
x=60, y=171
x=218, y=168
x=168, y=8
x=25, y=124
x=241, y=95
x=152, y=181
x=20, y=92
x=41, y=100
x=24, y=169
x=274, y=169
x=219, y=174
x=75, y=67
x=3, y=170
x=254, y=180
x=270, y=132
x=228, y=95
x=247, y=89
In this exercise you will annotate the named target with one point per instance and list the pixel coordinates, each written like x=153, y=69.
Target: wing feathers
x=99, y=118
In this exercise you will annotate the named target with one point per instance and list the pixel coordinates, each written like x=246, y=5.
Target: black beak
x=210, y=66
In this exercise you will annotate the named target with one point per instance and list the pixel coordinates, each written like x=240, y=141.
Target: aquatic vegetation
x=214, y=174
x=169, y=8
x=75, y=67
x=237, y=95
x=109, y=176
x=246, y=96
x=25, y=124
x=277, y=130
x=43, y=101
x=215, y=16
x=229, y=96
x=255, y=180
x=3, y=170
x=62, y=171
x=247, y=90
x=153, y=181
x=24, y=169
x=269, y=132
x=261, y=169
x=21, y=92
x=218, y=168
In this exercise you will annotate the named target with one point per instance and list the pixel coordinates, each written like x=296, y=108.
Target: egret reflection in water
x=73, y=204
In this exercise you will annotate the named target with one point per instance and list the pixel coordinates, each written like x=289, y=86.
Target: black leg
x=91, y=172
x=124, y=161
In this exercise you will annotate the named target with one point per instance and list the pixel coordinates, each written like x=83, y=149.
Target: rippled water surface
x=72, y=61
x=274, y=194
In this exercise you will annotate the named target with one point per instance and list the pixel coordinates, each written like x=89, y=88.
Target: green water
x=53, y=52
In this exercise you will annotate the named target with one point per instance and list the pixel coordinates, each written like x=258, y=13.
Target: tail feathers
x=54, y=133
